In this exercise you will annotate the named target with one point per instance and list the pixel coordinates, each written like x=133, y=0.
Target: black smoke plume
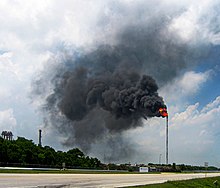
x=103, y=92
x=95, y=96
x=120, y=91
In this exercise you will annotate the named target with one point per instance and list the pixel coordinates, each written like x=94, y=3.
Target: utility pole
x=160, y=159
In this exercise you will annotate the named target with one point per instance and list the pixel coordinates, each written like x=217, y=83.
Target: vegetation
x=181, y=167
x=194, y=183
x=23, y=152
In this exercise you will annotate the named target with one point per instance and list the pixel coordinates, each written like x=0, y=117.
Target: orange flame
x=163, y=112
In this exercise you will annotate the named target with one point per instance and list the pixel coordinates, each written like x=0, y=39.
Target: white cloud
x=187, y=115
x=211, y=106
x=39, y=25
x=185, y=25
x=197, y=129
x=191, y=82
x=199, y=23
x=207, y=116
x=7, y=66
x=180, y=89
x=7, y=120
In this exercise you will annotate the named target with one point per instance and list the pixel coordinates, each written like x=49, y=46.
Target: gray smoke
x=104, y=92
x=119, y=90
x=96, y=96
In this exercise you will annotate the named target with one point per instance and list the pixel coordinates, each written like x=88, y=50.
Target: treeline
x=184, y=167
x=24, y=152
x=181, y=167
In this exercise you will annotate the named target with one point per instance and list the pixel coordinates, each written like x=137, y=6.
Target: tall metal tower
x=40, y=136
x=167, y=140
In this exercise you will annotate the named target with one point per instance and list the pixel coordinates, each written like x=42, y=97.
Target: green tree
x=25, y=152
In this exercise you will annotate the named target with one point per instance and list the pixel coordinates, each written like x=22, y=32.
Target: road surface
x=90, y=180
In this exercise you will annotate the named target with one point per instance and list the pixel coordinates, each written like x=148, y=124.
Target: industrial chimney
x=40, y=143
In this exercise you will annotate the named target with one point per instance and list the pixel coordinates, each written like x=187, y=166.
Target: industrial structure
x=40, y=137
x=167, y=140
x=163, y=112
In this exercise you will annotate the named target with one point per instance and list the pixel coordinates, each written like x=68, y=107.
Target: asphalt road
x=90, y=180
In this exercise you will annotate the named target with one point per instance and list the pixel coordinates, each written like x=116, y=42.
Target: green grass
x=194, y=183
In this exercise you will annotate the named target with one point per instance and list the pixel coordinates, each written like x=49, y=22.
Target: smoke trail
x=111, y=88
x=104, y=92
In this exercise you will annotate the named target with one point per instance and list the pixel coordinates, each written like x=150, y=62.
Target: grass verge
x=193, y=183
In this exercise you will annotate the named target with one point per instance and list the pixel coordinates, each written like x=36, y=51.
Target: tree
x=25, y=152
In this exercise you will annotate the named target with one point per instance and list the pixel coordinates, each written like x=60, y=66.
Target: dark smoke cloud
x=112, y=88
x=119, y=90
x=103, y=93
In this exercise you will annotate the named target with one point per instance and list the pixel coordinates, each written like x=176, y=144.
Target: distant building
x=148, y=169
x=143, y=169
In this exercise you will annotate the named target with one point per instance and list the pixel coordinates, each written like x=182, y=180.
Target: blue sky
x=30, y=37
